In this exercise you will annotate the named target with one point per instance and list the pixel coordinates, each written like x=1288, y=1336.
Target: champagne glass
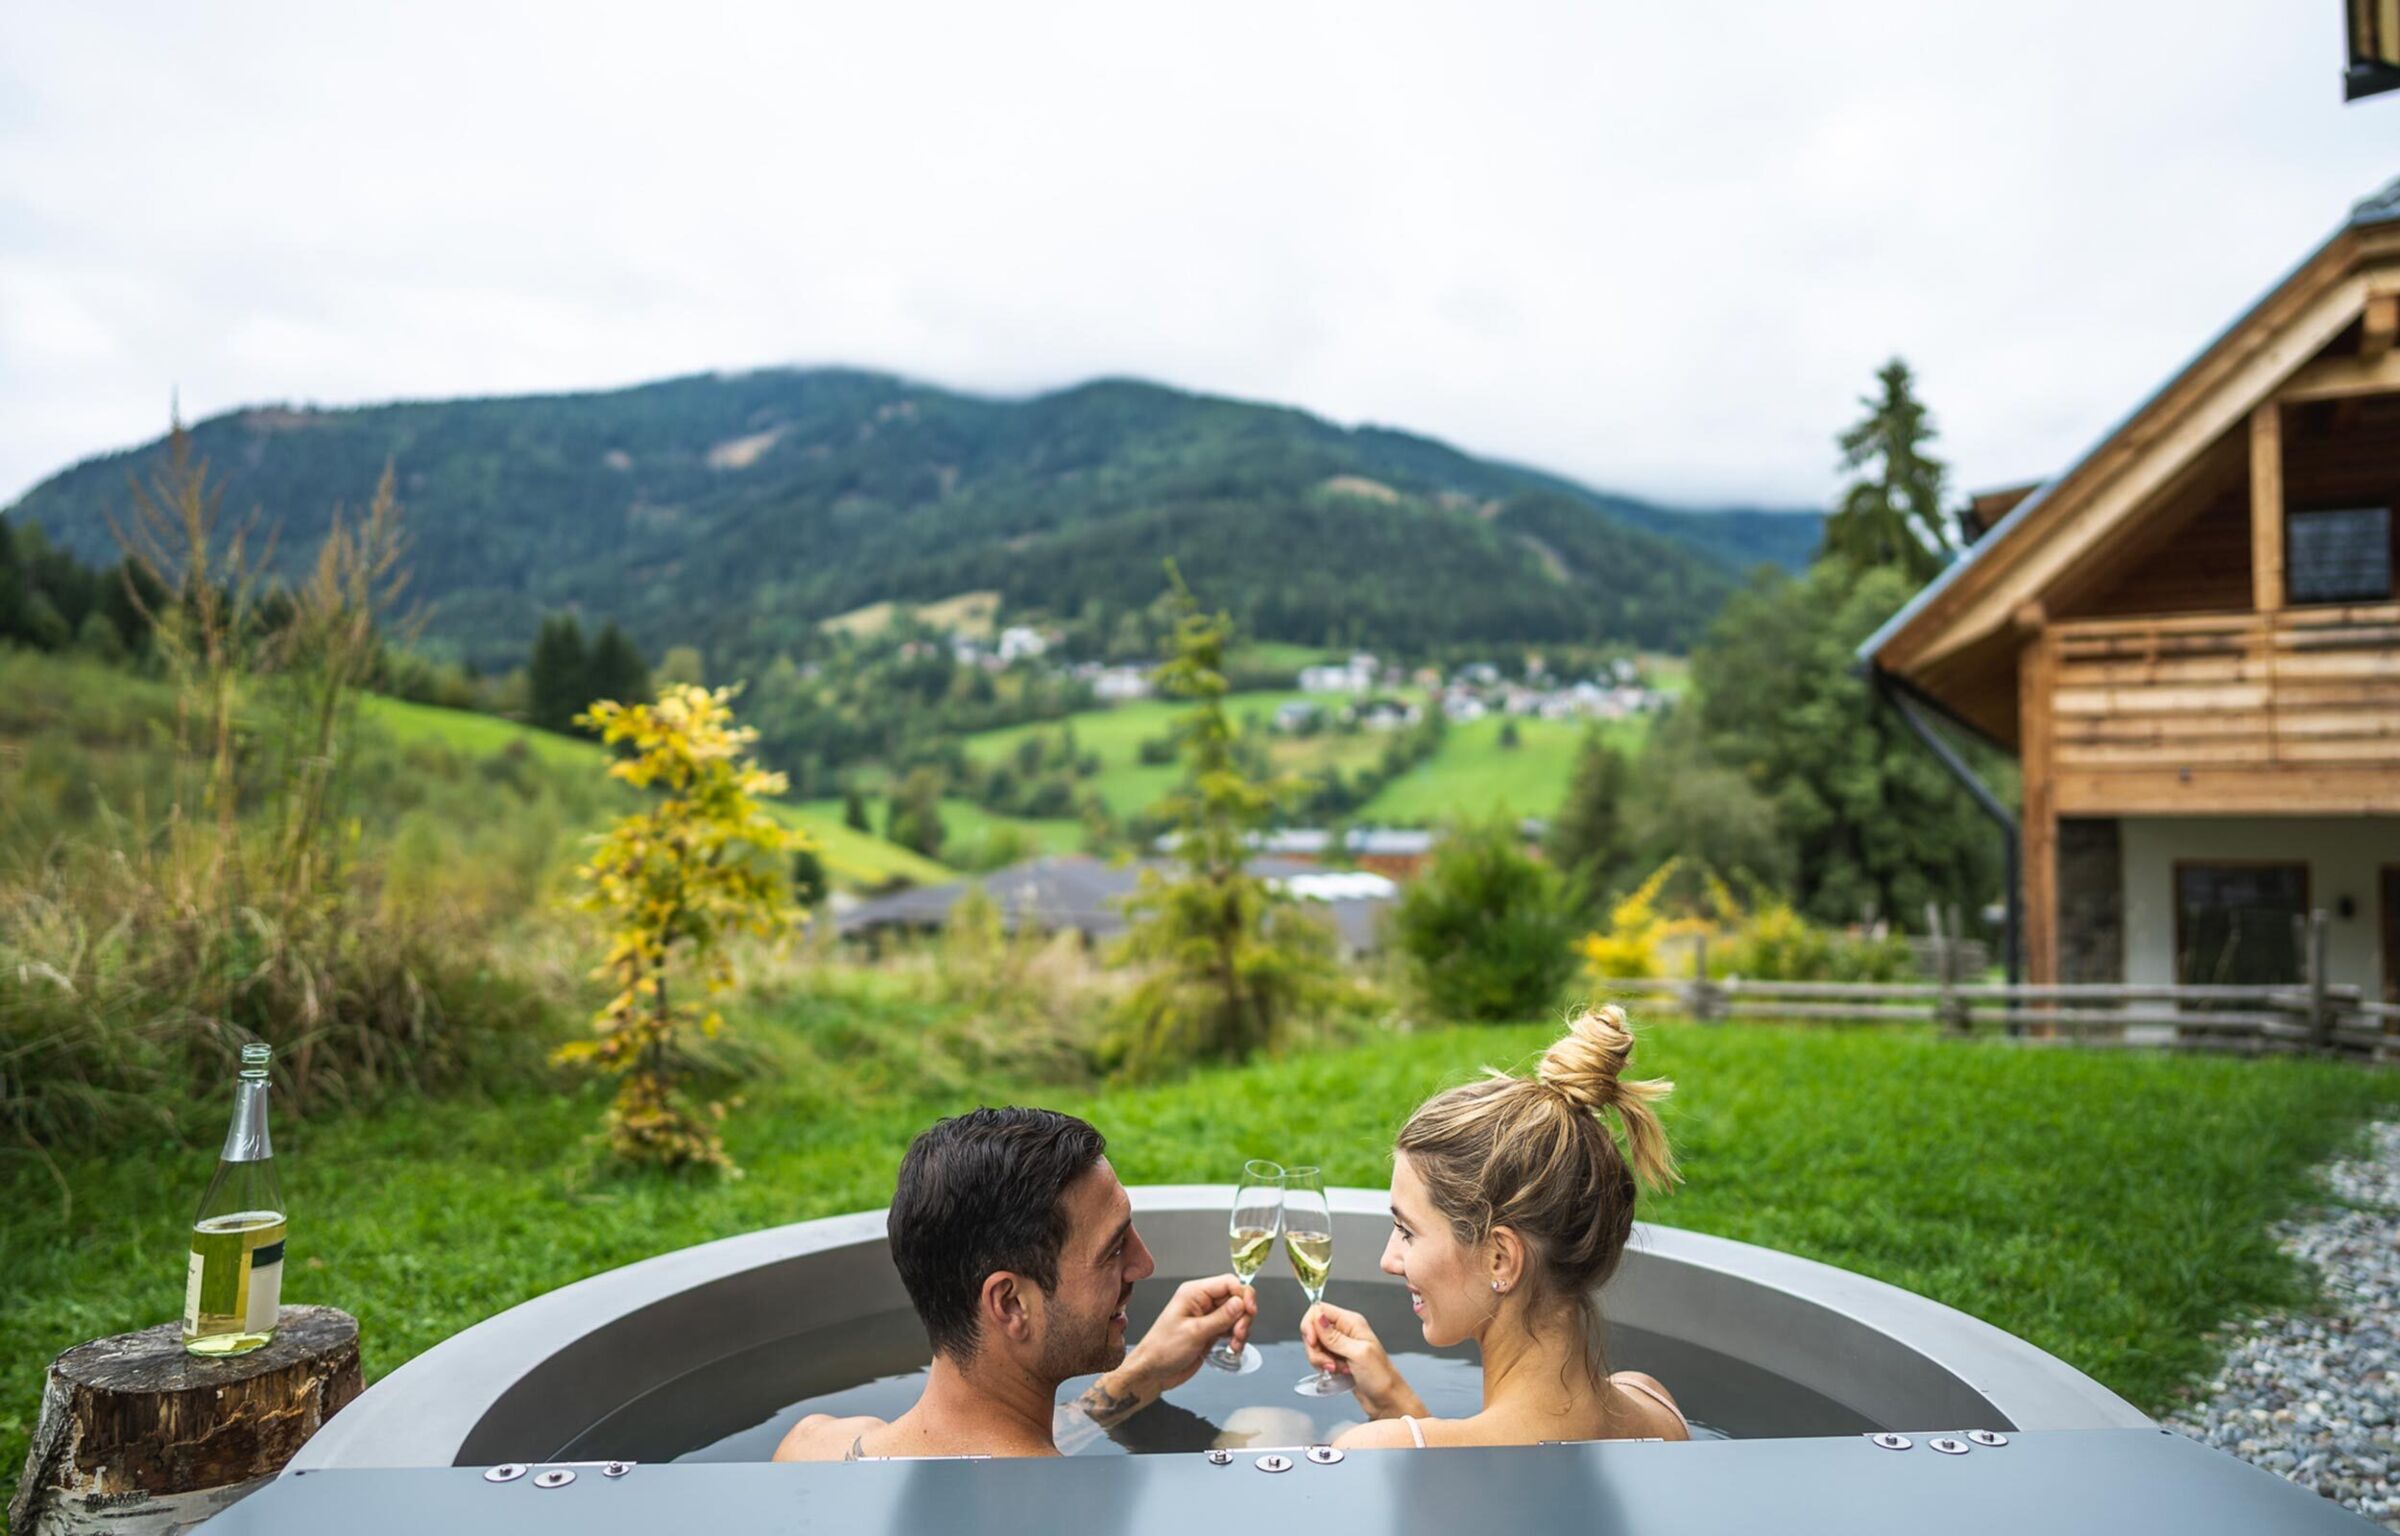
x=1257, y=1216
x=1308, y=1239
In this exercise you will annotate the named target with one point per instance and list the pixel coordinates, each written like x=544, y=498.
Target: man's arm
x=1104, y=1405
x=1200, y=1313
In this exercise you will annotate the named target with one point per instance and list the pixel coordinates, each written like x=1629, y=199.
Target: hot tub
x=707, y=1352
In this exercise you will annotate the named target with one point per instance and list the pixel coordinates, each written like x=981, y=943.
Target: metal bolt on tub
x=556, y=1477
x=1220, y=1457
x=506, y=1472
x=1323, y=1455
x=1271, y=1462
x=1948, y=1446
x=1892, y=1442
x=1987, y=1437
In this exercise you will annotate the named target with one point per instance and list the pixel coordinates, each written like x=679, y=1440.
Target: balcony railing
x=2287, y=709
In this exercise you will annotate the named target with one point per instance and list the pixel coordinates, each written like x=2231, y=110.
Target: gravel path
x=2317, y=1399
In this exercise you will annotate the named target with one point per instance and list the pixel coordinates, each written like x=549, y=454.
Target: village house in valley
x=2189, y=641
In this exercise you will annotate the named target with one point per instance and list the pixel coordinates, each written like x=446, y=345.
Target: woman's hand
x=1343, y=1342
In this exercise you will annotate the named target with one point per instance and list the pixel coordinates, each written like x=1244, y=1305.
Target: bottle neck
x=246, y=1138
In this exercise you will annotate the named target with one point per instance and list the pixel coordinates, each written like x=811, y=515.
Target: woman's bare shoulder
x=822, y=1437
x=1652, y=1408
x=1377, y=1434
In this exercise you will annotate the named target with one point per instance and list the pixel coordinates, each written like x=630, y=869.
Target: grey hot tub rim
x=569, y=1356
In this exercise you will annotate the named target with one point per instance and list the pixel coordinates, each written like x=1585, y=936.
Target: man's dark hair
x=980, y=1193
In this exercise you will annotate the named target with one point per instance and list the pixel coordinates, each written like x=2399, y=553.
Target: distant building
x=1357, y=675
x=1120, y=685
x=1297, y=715
x=1087, y=895
x=1387, y=714
x=1395, y=852
x=1462, y=707
x=1021, y=642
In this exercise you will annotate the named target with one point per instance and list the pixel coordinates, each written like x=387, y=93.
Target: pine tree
x=1587, y=837
x=615, y=669
x=1227, y=961
x=12, y=587
x=1892, y=516
x=558, y=675
x=914, y=819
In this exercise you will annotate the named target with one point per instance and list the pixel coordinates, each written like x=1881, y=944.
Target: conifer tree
x=615, y=669
x=12, y=587
x=1892, y=514
x=1587, y=838
x=1228, y=961
x=558, y=676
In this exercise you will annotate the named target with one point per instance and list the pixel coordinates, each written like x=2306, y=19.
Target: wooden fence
x=2311, y=1017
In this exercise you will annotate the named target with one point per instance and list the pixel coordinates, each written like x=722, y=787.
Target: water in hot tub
x=737, y=1409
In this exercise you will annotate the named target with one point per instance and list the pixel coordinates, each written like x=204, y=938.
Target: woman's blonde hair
x=1535, y=1155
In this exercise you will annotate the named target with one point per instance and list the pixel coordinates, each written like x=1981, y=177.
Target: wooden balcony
x=2293, y=712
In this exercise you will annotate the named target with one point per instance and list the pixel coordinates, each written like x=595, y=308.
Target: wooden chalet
x=2189, y=640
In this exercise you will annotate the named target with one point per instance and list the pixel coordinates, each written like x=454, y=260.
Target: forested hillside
x=734, y=512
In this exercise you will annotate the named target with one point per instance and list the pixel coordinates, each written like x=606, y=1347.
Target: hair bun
x=1585, y=1062
x=1587, y=1066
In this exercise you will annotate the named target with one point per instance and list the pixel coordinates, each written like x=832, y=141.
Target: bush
x=1486, y=929
x=1775, y=943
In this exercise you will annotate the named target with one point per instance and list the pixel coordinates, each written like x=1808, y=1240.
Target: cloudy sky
x=1660, y=247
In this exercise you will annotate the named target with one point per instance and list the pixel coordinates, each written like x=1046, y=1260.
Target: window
x=2237, y=925
x=2338, y=556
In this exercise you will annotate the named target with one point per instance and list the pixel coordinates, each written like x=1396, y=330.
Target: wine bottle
x=235, y=1283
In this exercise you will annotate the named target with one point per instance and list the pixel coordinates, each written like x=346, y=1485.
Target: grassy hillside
x=737, y=512
x=1472, y=774
x=853, y=858
x=1130, y=786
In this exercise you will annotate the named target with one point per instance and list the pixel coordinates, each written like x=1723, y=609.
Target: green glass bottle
x=236, y=1280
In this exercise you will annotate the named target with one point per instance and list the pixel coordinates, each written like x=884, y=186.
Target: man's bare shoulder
x=822, y=1437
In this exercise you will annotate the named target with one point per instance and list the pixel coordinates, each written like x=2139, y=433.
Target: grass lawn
x=2109, y=1207
x=1473, y=773
x=853, y=858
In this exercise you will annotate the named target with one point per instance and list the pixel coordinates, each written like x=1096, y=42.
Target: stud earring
x=1498, y=1289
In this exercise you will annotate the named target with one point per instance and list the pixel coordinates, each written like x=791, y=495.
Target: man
x=1017, y=1247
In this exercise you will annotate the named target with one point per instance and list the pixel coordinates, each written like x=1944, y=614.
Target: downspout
x=1908, y=702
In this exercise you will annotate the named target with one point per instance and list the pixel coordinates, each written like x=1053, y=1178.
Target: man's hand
x=1200, y=1313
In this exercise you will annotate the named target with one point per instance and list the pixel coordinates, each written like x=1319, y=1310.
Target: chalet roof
x=2382, y=207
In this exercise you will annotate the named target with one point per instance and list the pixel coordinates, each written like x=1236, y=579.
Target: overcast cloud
x=1657, y=246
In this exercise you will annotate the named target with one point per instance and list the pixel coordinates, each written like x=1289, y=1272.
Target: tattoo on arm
x=1077, y=1424
x=1105, y=1408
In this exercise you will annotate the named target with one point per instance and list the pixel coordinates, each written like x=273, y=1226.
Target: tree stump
x=137, y=1437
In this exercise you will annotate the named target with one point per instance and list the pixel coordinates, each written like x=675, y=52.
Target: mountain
x=735, y=511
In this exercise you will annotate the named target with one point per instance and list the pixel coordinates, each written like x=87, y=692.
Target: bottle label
x=235, y=1282
x=266, y=1287
x=191, y=1294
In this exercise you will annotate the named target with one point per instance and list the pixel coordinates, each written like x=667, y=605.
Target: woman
x=1511, y=1204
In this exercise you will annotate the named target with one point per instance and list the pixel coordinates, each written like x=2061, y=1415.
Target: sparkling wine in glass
x=1257, y=1216
x=1308, y=1238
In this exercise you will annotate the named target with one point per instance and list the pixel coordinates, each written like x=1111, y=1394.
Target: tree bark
x=138, y=1438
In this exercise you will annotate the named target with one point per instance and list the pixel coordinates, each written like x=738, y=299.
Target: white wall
x=2344, y=857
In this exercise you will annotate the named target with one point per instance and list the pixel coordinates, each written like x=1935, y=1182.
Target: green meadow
x=2112, y=1208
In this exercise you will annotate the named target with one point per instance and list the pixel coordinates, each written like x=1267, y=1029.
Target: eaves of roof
x=2381, y=208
